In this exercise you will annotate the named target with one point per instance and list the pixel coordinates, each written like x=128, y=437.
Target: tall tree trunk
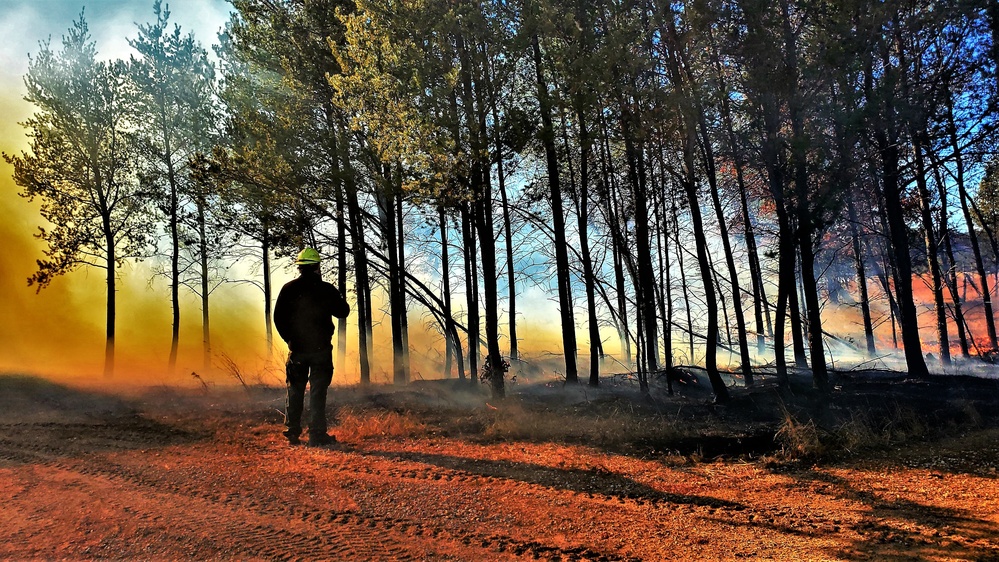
x=111, y=308
x=761, y=306
x=494, y=364
x=664, y=296
x=806, y=224
x=733, y=273
x=805, y=237
x=451, y=346
x=865, y=304
x=683, y=283
x=660, y=289
x=341, y=269
x=174, y=232
x=458, y=355
x=558, y=219
x=333, y=153
x=846, y=142
x=990, y=324
x=472, y=292
x=727, y=332
x=387, y=217
x=667, y=282
x=892, y=308
x=614, y=224
x=206, y=332
x=886, y=140
x=795, y=313
x=507, y=226
x=645, y=300
x=624, y=327
x=663, y=290
x=265, y=249
x=888, y=266
x=680, y=69
x=510, y=266
x=950, y=272
x=785, y=290
x=174, y=262
x=688, y=109
x=932, y=251
x=802, y=309
x=951, y=280
x=362, y=283
x=583, y=216
x=704, y=265
x=786, y=284
x=755, y=271
x=401, y=233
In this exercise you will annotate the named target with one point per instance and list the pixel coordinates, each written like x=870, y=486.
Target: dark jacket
x=304, y=310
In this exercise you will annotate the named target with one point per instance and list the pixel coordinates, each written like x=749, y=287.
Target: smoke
x=59, y=332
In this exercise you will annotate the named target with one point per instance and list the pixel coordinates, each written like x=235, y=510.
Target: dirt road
x=88, y=477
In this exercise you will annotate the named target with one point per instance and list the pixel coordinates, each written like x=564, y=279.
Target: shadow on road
x=595, y=482
x=903, y=529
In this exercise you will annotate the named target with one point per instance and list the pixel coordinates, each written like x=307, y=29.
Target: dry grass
x=356, y=424
x=864, y=431
x=231, y=368
x=780, y=428
x=514, y=421
x=799, y=440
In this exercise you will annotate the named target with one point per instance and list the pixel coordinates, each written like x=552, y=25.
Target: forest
x=686, y=181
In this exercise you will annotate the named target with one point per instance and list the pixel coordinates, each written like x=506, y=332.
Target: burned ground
x=886, y=469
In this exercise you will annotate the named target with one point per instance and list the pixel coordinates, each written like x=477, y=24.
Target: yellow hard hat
x=308, y=256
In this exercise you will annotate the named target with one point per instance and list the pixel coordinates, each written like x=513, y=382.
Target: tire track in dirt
x=332, y=521
x=11, y=454
x=358, y=533
x=153, y=513
x=496, y=542
x=249, y=533
x=370, y=528
x=491, y=473
x=704, y=507
x=337, y=538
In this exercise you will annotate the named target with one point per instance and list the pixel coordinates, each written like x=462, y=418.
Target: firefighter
x=303, y=316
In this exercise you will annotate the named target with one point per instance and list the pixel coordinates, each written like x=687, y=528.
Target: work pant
x=316, y=370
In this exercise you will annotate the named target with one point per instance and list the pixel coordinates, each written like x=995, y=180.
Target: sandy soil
x=87, y=476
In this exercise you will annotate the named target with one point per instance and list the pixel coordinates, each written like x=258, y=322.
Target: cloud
x=22, y=27
x=25, y=23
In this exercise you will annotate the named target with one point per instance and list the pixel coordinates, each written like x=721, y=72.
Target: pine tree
x=81, y=165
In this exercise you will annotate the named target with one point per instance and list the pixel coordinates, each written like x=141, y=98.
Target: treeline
x=713, y=169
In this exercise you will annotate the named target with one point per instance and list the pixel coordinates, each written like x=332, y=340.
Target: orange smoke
x=59, y=332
